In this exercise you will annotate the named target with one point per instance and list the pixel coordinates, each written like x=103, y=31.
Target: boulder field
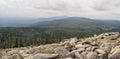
x=103, y=46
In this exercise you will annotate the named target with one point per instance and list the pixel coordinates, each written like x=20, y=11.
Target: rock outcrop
x=104, y=46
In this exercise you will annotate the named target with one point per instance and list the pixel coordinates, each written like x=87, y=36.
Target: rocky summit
x=103, y=46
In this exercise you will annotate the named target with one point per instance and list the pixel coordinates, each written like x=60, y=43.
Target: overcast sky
x=105, y=9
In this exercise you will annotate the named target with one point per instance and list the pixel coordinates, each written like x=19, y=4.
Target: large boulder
x=115, y=53
x=115, y=56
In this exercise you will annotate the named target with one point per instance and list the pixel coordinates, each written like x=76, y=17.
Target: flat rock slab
x=45, y=56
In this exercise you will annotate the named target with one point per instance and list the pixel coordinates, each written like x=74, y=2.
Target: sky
x=100, y=9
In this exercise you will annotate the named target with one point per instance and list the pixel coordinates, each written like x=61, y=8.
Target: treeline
x=20, y=37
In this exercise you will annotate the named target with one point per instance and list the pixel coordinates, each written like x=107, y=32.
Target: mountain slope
x=79, y=22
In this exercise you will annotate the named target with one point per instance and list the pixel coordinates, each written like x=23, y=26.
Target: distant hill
x=59, y=22
x=23, y=22
x=79, y=22
x=16, y=21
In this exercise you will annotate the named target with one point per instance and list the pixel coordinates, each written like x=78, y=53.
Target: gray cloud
x=47, y=8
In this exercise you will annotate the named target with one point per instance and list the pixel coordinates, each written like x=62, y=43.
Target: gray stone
x=15, y=56
x=84, y=55
x=45, y=56
x=61, y=51
x=100, y=51
x=78, y=55
x=92, y=55
x=68, y=58
x=73, y=41
x=80, y=50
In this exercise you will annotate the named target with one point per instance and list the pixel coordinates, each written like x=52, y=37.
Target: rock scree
x=103, y=46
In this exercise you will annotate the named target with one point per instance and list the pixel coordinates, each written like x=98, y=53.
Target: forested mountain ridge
x=79, y=22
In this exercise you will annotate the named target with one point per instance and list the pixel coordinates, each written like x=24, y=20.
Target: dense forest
x=20, y=37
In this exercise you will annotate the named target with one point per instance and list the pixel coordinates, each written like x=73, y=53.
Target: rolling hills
x=79, y=22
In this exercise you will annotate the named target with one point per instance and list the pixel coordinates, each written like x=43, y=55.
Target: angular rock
x=80, y=50
x=78, y=55
x=68, y=58
x=79, y=46
x=100, y=51
x=89, y=49
x=84, y=54
x=28, y=57
x=68, y=46
x=13, y=52
x=115, y=56
x=115, y=53
x=92, y=55
x=70, y=54
x=73, y=41
x=15, y=56
x=61, y=51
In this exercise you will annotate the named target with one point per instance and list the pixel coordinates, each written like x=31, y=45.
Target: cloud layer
x=106, y=9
